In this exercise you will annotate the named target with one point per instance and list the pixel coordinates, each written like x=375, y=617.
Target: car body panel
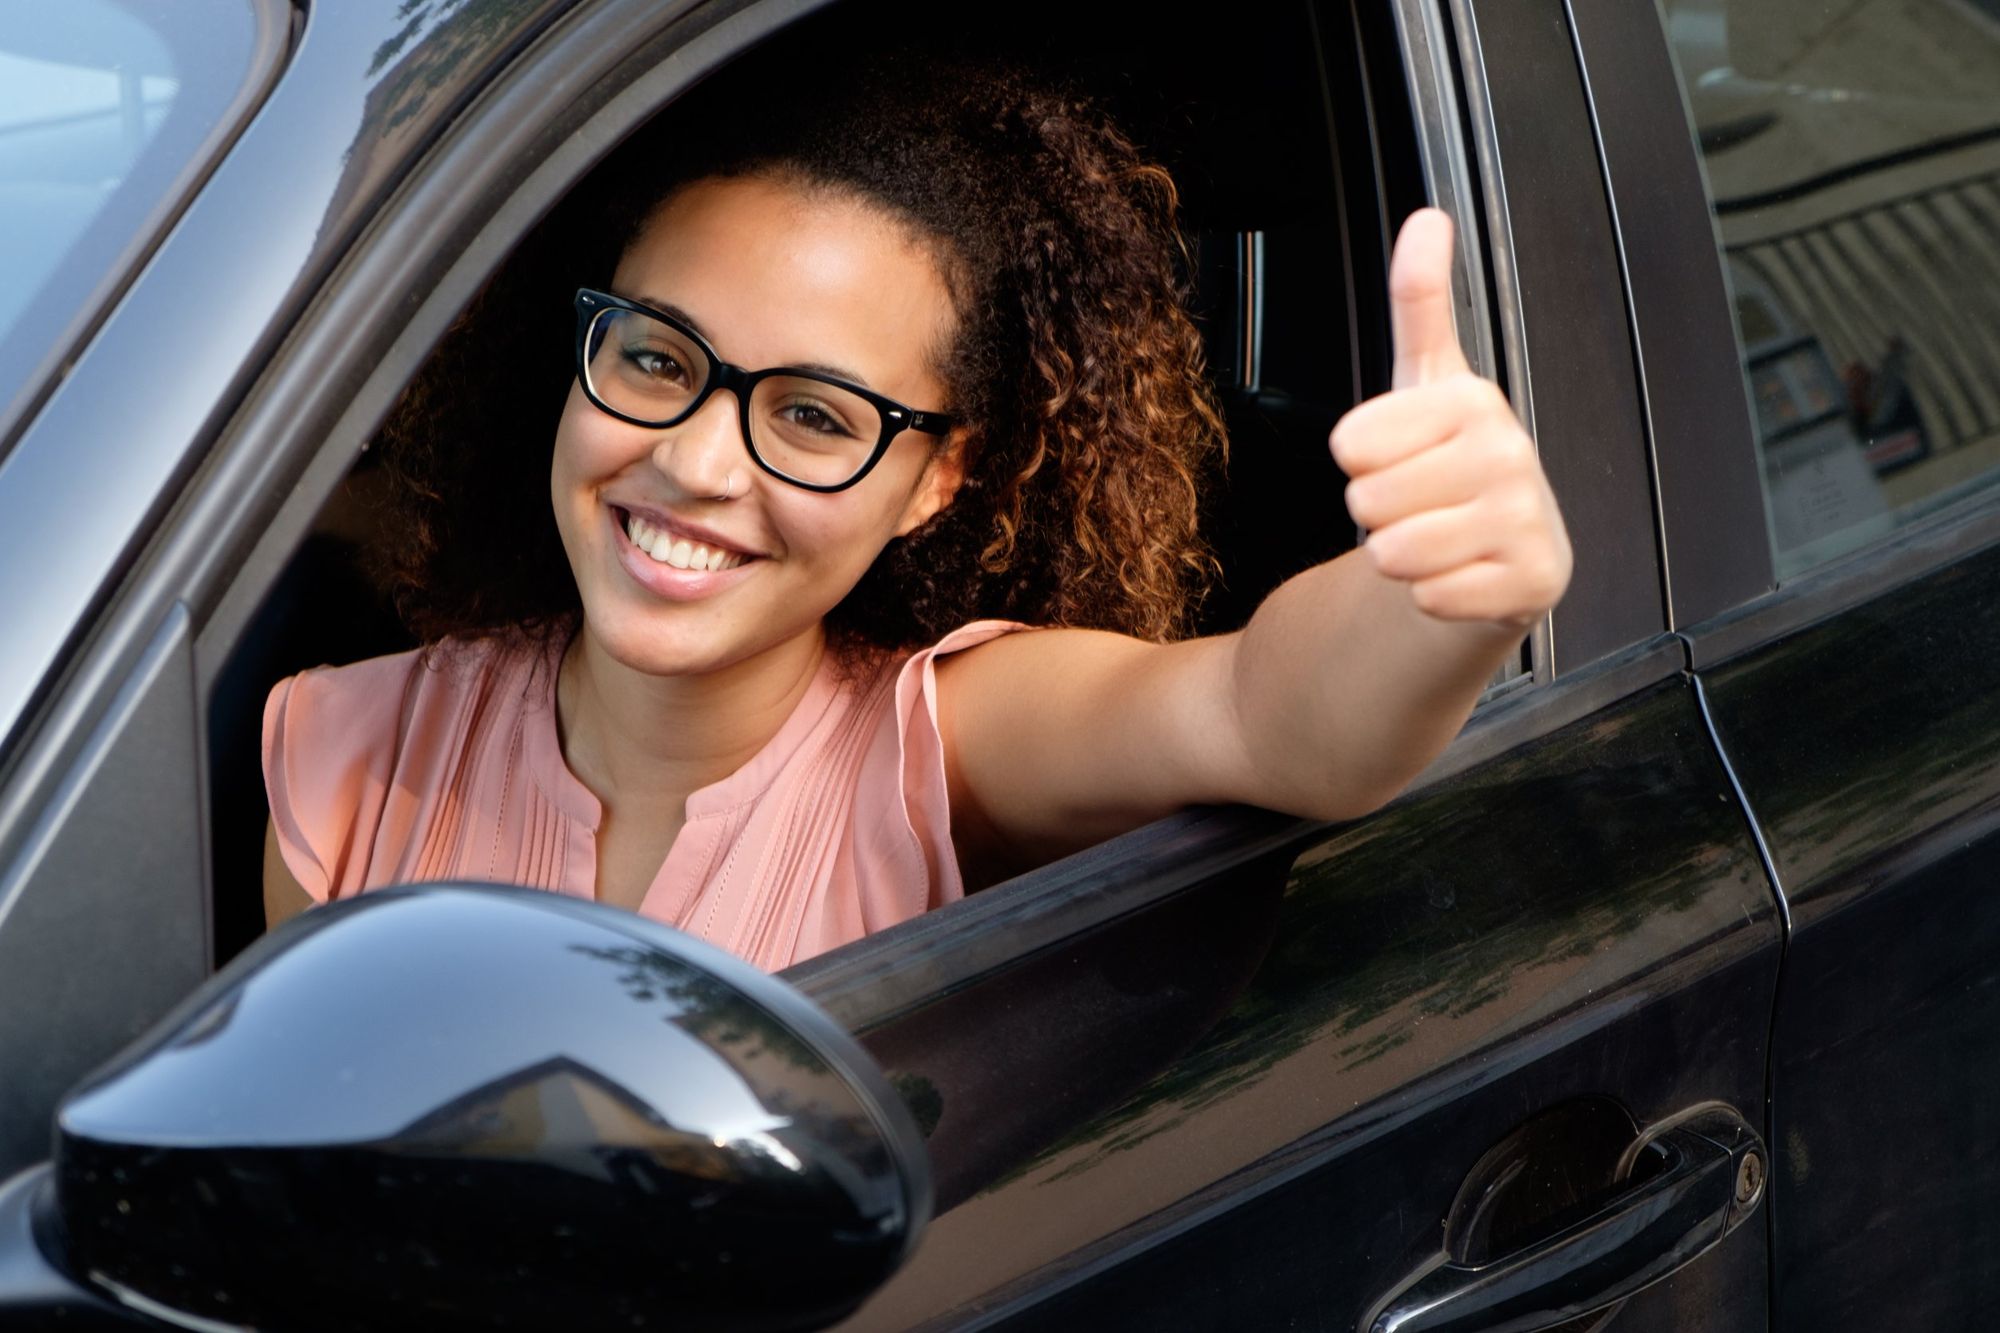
x=1854, y=702
x=1365, y=1011
x=1570, y=337
x=1710, y=496
x=1869, y=748
x=100, y=933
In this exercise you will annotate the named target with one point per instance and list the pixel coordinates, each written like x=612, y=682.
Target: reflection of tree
x=1856, y=736
x=712, y=1011
x=1439, y=907
x=815, y=1113
x=457, y=30
x=925, y=1102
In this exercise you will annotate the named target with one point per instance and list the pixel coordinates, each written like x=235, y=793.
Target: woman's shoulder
x=340, y=741
x=364, y=706
x=904, y=768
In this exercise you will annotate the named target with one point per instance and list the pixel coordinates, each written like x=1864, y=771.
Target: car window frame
x=1559, y=298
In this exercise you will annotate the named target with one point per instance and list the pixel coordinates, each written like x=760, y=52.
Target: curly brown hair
x=1090, y=423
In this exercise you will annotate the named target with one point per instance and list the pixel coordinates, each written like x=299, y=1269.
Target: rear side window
x=1853, y=160
x=104, y=110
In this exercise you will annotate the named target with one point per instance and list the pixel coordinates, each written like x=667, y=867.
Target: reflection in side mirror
x=463, y=1108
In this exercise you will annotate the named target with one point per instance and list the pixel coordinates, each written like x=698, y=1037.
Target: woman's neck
x=639, y=739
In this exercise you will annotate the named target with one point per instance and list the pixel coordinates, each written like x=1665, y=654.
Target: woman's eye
x=656, y=364
x=814, y=418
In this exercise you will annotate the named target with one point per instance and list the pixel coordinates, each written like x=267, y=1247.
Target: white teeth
x=681, y=554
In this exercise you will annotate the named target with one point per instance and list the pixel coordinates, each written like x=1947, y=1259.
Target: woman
x=875, y=384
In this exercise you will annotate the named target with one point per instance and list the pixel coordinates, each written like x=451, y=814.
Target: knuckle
x=1392, y=554
x=1380, y=556
x=1431, y=598
x=1542, y=583
x=1362, y=504
x=1350, y=443
x=1339, y=440
x=1471, y=394
x=1519, y=508
x=1506, y=456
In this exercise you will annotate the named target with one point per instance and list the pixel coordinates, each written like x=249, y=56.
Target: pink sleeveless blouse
x=393, y=772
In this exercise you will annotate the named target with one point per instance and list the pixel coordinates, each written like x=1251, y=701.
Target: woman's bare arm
x=1347, y=681
x=283, y=897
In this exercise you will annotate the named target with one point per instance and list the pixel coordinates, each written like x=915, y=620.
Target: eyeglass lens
x=815, y=432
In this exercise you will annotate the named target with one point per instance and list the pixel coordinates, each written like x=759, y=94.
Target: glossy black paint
x=458, y=1109
x=1678, y=1199
x=1869, y=748
x=1710, y=491
x=1580, y=917
x=35, y=1295
x=1575, y=338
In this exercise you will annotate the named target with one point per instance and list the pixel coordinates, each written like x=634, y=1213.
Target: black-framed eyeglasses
x=644, y=366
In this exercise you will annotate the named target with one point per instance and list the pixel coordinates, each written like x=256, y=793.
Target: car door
x=1849, y=258
x=1231, y=1070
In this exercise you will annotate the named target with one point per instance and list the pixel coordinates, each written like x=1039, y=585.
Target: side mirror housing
x=458, y=1108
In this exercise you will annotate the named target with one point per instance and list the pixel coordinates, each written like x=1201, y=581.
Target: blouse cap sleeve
x=330, y=740
x=920, y=819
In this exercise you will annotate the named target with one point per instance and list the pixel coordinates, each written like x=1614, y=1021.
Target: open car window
x=1288, y=292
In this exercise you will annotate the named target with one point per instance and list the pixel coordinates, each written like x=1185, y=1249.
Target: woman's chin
x=685, y=646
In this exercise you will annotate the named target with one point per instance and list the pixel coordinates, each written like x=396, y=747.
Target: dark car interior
x=1292, y=150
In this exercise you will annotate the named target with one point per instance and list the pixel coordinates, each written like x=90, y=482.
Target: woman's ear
x=942, y=476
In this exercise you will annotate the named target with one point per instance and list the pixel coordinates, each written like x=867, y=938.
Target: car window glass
x=1853, y=160
x=102, y=106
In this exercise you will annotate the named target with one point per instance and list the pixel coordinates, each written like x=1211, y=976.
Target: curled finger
x=1432, y=543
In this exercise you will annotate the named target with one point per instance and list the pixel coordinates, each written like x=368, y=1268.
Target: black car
x=1667, y=999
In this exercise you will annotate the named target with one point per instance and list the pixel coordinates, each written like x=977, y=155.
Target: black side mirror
x=458, y=1108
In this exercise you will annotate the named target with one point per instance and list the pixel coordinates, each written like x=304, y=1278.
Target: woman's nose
x=699, y=454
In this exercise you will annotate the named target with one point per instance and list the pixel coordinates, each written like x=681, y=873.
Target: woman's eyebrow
x=817, y=367
x=669, y=308
x=837, y=372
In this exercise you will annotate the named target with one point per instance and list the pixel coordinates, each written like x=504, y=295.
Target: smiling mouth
x=678, y=552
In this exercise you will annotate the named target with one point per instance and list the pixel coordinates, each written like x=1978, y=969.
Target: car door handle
x=1700, y=1189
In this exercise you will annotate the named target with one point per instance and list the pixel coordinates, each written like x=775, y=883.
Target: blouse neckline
x=542, y=752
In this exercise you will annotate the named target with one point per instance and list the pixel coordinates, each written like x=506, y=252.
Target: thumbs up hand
x=1441, y=472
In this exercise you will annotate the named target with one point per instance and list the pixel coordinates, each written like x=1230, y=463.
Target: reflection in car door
x=1869, y=747
x=1577, y=928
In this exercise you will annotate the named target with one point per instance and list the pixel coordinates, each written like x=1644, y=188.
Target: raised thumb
x=1420, y=301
